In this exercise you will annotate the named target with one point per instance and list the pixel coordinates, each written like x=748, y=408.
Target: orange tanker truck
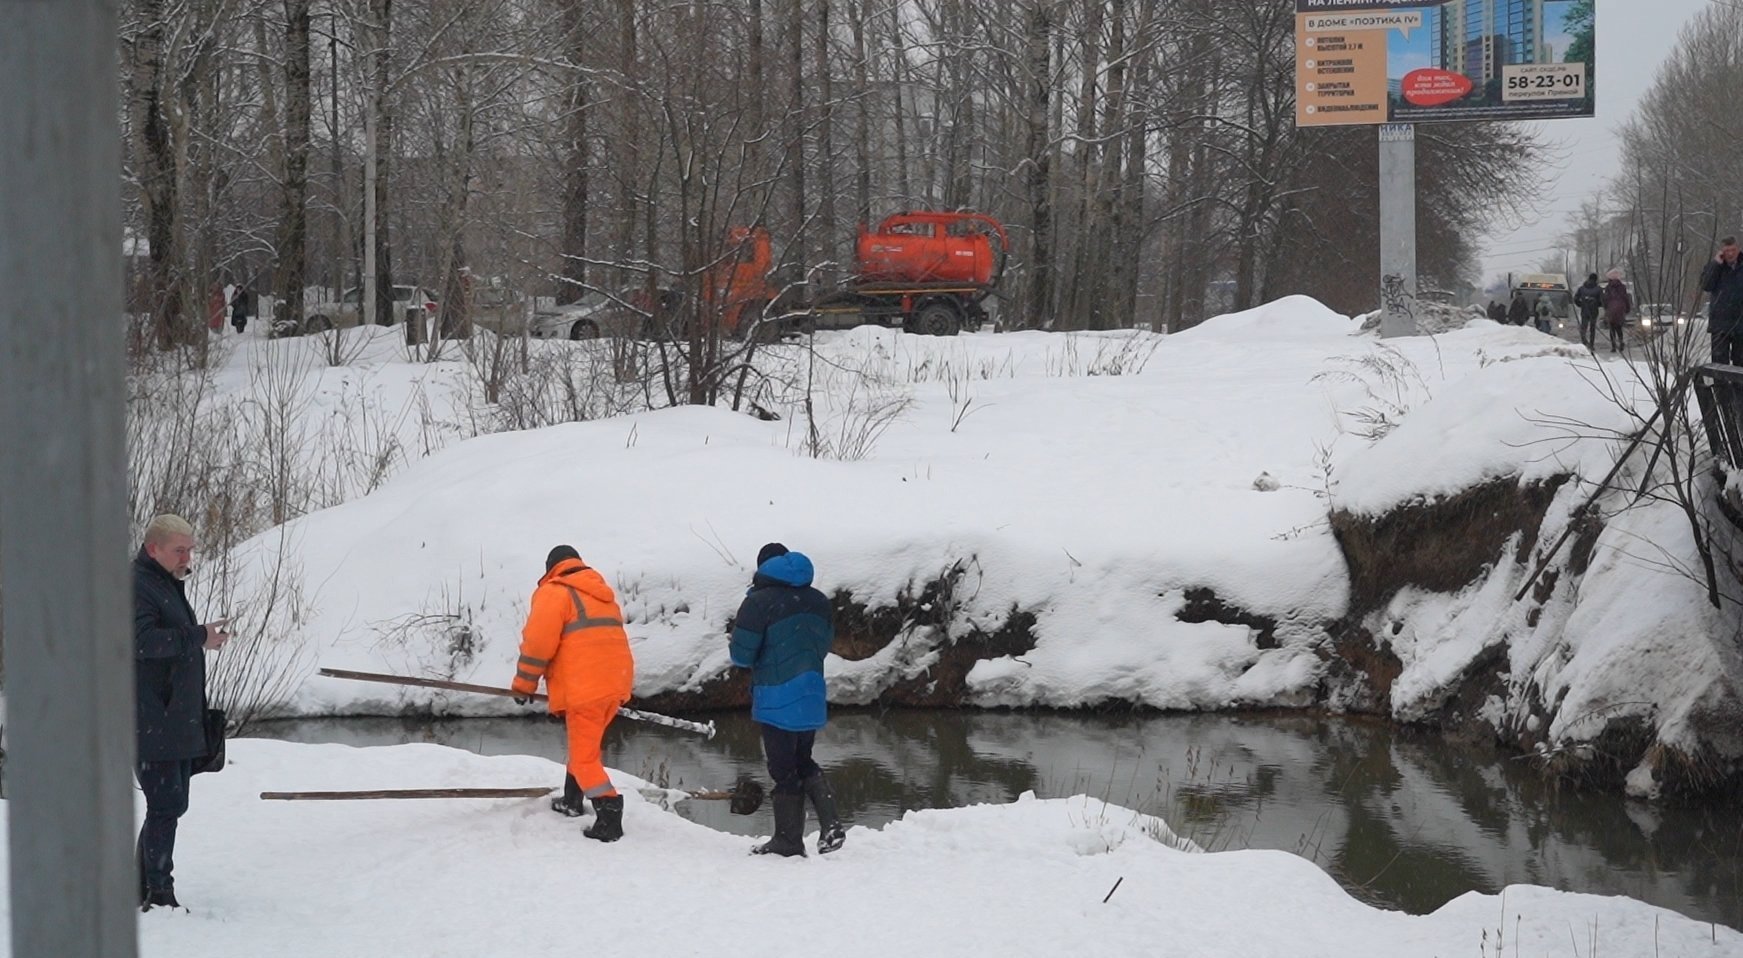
x=927, y=272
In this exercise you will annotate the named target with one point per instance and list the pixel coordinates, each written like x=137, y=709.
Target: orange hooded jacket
x=574, y=640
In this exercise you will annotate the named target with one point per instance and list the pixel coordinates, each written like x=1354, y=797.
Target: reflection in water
x=1401, y=818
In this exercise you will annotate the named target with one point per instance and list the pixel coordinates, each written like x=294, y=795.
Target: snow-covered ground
x=1088, y=479
x=1037, y=877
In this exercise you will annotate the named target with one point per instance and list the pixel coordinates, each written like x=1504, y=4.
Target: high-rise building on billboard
x=1479, y=37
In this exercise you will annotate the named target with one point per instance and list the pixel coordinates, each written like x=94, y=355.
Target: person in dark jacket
x=1519, y=310
x=1617, y=305
x=782, y=632
x=1722, y=281
x=239, y=307
x=169, y=668
x=1589, y=298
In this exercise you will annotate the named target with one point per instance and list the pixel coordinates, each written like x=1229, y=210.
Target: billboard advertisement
x=1421, y=61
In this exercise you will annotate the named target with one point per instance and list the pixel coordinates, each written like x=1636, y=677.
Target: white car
x=348, y=311
x=597, y=314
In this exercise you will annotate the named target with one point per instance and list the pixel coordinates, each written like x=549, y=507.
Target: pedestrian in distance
x=169, y=670
x=782, y=633
x=1617, y=305
x=1519, y=310
x=1543, y=313
x=1589, y=300
x=1722, y=281
x=239, y=307
x=574, y=641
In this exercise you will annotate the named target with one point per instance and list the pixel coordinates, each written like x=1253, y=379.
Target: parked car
x=597, y=314
x=348, y=311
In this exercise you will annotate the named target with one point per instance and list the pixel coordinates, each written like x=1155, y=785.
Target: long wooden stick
x=705, y=728
x=406, y=793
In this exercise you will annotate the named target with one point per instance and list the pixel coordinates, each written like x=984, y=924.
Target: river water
x=1401, y=818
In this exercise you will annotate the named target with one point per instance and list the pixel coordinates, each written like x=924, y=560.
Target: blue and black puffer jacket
x=782, y=632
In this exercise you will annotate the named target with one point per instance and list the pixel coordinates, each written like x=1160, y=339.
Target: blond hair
x=164, y=526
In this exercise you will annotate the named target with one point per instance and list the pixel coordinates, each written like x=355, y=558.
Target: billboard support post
x=1397, y=230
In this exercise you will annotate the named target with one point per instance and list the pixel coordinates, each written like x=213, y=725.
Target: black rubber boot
x=160, y=898
x=571, y=803
x=830, y=834
x=607, y=819
x=789, y=834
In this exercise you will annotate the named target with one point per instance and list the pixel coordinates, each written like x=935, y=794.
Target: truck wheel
x=584, y=329
x=937, y=319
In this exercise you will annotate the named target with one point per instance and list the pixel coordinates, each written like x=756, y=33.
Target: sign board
x=1420, y=61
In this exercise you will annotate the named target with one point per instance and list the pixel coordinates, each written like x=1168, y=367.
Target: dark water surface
x=1400, y=818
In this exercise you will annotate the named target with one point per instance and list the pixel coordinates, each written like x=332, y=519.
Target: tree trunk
x=628, y=141
x=862, y=120
x=830, y=246
x=576, y=184
x=294, y=212
x=157, y=176
x=1040, y=162
x=1086, y=133
x=797, y=252
x=1107, y=193
x=382, y=11
x=1129, y=228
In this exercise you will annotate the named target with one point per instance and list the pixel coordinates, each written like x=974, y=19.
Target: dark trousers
x=789, y=755
x=166, y=799
x=1618, y=337
x=1728, y=346
x=1589, y=330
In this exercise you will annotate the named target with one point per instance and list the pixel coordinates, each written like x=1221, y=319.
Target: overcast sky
x=1634, y=36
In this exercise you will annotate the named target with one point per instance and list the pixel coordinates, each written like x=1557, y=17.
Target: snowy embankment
x=462, y=878
x=1055, y=520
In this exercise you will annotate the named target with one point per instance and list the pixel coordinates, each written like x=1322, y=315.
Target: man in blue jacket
x=782, y=631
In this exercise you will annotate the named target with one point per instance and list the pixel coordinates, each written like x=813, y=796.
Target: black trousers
x=1728, y=347
x=789, y=757
x=166, y=799
x=1589, y=330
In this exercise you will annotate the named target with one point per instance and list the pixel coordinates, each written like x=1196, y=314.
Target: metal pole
x=74, y=888
x=1397, y=229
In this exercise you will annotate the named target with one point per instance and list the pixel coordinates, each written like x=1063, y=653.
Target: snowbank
x=454, y=878
x=1084, y=496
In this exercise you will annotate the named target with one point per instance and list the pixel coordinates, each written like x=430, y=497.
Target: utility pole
x=1397, y=230
x=74, y=887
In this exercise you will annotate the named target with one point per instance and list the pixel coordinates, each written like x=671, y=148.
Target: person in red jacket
x=574, y=641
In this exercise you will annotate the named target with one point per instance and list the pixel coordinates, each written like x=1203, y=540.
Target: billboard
x=1421, y=61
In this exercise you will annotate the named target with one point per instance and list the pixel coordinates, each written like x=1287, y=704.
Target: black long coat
x=169, y=666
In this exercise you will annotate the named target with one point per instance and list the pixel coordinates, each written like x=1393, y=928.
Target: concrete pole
x=63, y=485
x=1397, y=229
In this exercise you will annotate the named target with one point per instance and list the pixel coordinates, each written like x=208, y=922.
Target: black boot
x=830, y=834
x=164, y=897
x=571, y=803
x=789, y=828
x=607, y=819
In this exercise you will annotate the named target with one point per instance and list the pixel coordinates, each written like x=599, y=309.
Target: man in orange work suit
x=574, y=640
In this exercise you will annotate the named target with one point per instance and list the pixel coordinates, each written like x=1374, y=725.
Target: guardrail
x=1719, y=391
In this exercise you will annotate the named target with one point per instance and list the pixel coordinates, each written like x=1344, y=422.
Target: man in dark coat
x=1519, y=310
x=1590, y=299
x=1722, y=281
x=782, y=632
x=169, y=667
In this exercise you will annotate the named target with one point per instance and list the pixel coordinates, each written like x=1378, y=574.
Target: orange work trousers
x=586, y=725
